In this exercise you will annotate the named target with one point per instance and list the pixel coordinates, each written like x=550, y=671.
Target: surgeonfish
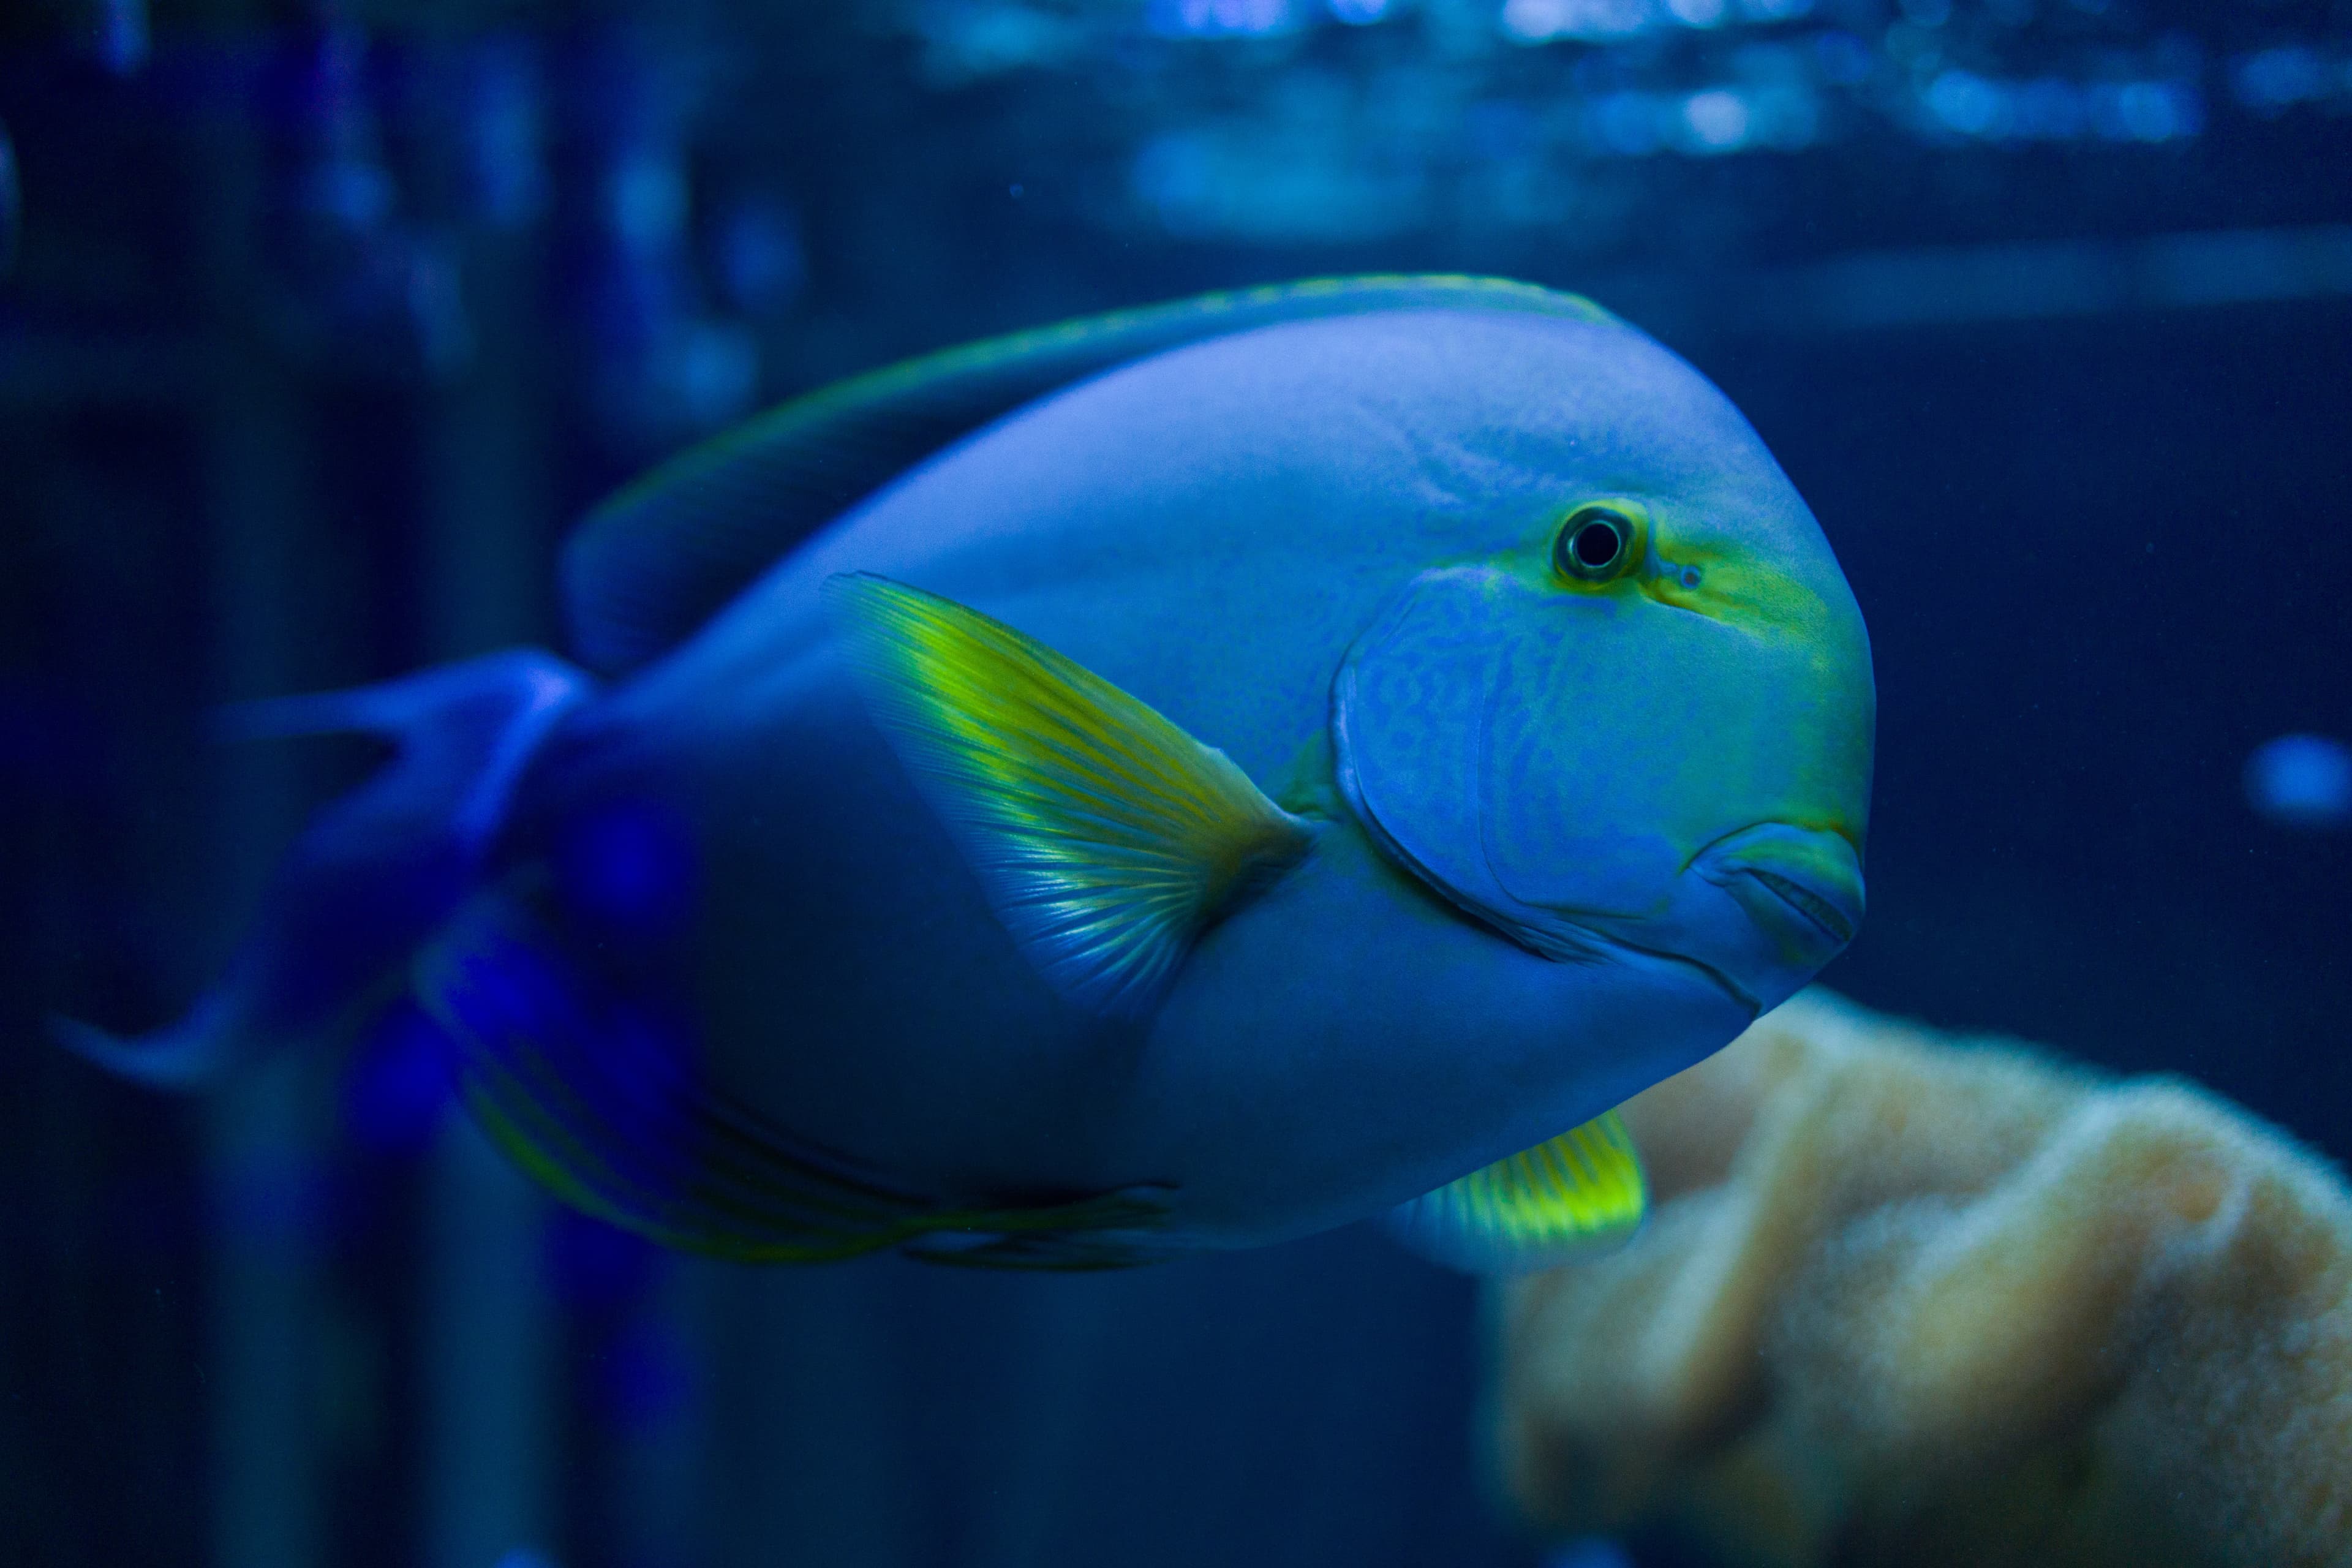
x=1183, y=779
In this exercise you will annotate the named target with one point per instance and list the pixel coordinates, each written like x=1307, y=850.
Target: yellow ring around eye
x=1598, y=543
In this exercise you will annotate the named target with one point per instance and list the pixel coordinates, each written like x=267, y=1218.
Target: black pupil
x=1596, y=544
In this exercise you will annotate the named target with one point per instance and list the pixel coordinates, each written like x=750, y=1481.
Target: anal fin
x=1117, y=1230
x=603, y=1103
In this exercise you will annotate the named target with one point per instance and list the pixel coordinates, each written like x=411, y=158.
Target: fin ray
x=606, y=1111
x=1104, y=836
x=1573, y=1195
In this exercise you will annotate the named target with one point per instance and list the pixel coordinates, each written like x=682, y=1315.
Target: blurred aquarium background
x=322, y=320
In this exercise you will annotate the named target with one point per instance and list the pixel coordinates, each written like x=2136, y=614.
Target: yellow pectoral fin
x=1576, y=1195
x=1104, y=837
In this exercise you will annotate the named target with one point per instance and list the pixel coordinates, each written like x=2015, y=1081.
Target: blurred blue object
x=399, y=1084
x=1223, y=19
x=663, y=365
x=114, y=33
x=1590, y=1552
x=502, y=113
x=2275, y=79
x=363, y=292
x=761, y=262
x=2302, y=782
x=628, y=868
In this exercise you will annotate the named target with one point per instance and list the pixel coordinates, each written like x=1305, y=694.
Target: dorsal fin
x=652, y=562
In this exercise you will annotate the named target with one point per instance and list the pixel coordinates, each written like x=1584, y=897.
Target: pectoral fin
x=1580, y=1193
x=1106, y=839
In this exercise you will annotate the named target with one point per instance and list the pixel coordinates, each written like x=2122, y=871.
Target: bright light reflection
x=2302, y=781
x=1215, y=17
x=2050, y=110
x=1534, y=21
x=2145, y=110
x=1966, y=103
x=1717, y=119
x=2276, y=78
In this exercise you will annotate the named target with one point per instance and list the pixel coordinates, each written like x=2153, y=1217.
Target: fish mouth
x=1832, y=920
x=1802, y=886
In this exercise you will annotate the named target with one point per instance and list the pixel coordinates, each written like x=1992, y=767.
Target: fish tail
x=373, y=874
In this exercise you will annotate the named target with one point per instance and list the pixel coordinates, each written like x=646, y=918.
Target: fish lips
x=1803, y=885
x=1802, y=892
x=1758, y=910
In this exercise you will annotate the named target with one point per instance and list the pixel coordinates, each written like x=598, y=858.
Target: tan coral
x=1907, y=1299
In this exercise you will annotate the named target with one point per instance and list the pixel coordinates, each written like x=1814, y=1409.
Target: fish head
x=1645, y=724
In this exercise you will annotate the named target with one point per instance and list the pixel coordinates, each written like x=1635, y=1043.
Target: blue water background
x=321, y=326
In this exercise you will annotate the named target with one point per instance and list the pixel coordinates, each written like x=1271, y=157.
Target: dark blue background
x=2099, y=541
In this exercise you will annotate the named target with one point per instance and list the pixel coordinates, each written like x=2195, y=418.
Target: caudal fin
x=373, y=874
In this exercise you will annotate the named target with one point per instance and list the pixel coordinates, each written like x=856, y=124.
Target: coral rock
x=1912, y=1298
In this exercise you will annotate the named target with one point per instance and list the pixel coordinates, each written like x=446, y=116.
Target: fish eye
x=1595, y=544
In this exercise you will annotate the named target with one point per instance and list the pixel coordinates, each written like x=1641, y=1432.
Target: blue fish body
x=1555, y=833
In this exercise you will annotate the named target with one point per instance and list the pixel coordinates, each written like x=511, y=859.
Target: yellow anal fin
x=1104, y=837
x=1578, y=1194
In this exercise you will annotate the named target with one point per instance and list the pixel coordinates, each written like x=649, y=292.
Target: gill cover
x=1587, y=768
x=1411, y=710
x=1513, y=744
